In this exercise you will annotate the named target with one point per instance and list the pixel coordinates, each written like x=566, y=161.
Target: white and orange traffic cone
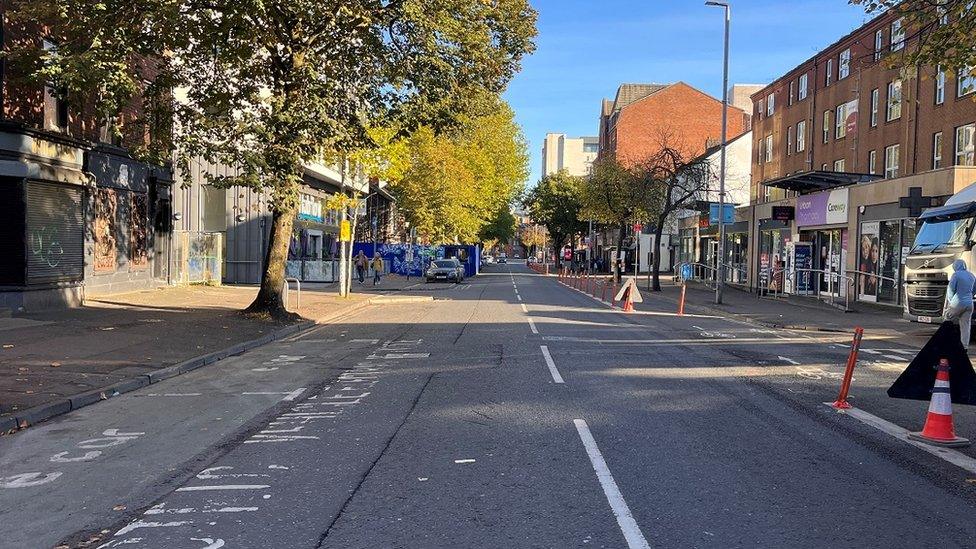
x=938, y=429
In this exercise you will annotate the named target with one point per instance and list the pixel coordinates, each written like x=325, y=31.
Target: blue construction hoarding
x=396, y=256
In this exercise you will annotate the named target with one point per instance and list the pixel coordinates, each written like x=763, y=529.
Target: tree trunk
x=268, y=301
x=620, y=246
x=656, y=267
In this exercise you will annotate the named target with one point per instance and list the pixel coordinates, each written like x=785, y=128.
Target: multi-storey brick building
x=77, y=213
x=643, y=116
x=844, y=146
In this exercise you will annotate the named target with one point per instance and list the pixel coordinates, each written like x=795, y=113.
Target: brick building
x=641, y=116
x=849, y=146
x=77, y=214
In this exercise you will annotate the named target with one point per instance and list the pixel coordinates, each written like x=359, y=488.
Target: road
x=511, y=411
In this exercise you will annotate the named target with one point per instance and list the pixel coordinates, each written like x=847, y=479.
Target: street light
x=721, y=178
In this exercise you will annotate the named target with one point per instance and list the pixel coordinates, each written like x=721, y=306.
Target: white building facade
x=573, y=154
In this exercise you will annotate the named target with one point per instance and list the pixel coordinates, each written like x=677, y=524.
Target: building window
x=830, y=72
x=872, y=162
x=894, y=101
x=770, y=104
x=891, y=161
x=965, y=82
x=844, y=64
x=801, y=136
x=769, y=148
x=840, y=121
x=760, y=108
x=802, y=86
x=839, y=165
x=766, y=193
x=789, y=100
x=937, y=151
x=964, y=145
x=789, y=140
x=878, y=43
x=940, y=79
x=897, y=35
x=874, y=107
x=826, y=126
x=823, y=167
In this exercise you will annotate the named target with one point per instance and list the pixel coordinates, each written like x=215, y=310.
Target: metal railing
x=285, y=289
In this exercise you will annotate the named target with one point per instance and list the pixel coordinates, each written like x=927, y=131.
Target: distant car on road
x=502, y=259
x=533, y=259
x=446, y=270
x=488, y=260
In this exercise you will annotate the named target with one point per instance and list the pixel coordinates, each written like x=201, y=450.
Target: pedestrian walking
x=362, y=263
x=959, y=300
x=377, y=268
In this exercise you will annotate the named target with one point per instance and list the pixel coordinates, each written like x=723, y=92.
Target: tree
x=611, y=195
x=945, y=29
x=457, y=182
x=534, y=236
x=556, y=204
x=499, y=229
x=668, y=181
x=269, y=87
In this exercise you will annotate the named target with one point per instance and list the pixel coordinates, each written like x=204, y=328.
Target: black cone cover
x=917, y=380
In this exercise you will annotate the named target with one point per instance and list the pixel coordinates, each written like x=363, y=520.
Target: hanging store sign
x=826, y=208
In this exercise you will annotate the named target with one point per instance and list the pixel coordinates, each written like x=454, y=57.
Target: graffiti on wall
x=138, y=222
x=45, y=245
x=106, y=209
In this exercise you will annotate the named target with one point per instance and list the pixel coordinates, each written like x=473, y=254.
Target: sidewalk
x=53, y=362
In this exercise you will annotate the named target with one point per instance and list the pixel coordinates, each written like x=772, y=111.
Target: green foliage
x=610, y=194
x=456, y=183
x=500, y=228
x=556, y=204
x=945, y=31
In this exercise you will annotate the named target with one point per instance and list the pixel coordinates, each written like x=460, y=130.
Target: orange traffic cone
x=938, y=428
x=628, y=302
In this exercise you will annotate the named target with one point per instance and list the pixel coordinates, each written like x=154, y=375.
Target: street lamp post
x=719, y=283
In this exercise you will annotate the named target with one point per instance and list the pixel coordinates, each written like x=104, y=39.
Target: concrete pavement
x=509, y=412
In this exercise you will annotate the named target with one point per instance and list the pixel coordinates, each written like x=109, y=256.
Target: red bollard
x=603, y=296
x=613, y=296
x=681, y=304
x=845, y=387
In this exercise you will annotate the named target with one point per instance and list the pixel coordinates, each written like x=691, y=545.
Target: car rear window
x=444, y=264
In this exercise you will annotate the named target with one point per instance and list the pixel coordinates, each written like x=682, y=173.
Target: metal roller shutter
x=55, y=233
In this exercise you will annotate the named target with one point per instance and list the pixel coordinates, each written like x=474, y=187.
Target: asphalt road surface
x=510, y=412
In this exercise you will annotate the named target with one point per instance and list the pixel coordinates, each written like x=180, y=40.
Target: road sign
x=345, y=231
x=638, y=227
x=631, y=284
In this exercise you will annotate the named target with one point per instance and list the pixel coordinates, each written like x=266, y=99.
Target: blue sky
x=586, y=48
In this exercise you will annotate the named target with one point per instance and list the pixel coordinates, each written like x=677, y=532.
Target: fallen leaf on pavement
x=55, y=364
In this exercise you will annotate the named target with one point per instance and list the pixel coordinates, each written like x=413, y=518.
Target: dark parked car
x=445, y=269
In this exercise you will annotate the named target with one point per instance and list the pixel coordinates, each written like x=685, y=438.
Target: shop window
x=937, y=151
x=897, y=35
x=139, y=226
x=801, y=135
x=105, y=237
x=874, y=107
x=964, y=145
x=894, y=101
x=891, y=161
x=802, y=87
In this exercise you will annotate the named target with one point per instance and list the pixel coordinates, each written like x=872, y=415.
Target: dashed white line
x=294, y=394
x=894, y=357
x=870, y=351
x=948, y=454
x=532, y=326
x=551, y=364
x=632, y=533
x=790, y=360
x=519, y=297
x=223, y=487
x=524, y=308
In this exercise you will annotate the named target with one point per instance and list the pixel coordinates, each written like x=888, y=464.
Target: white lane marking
x=698, y=327
x=896, y=358
x=370, y=341
x=790, y=360
x=171, y=394
x=954, y=457
x=519, y=297
x=236, y=509
x=398, y=356
x=294, y=394
x=223, y=487
x=524, y=308
x=551, y=364
x=462, y=461
x=532, y=326
x=289, y=396
x=871, y=351
x=628, y=526
x=143, y=524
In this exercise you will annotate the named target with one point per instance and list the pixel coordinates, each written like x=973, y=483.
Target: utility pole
x=725, y=126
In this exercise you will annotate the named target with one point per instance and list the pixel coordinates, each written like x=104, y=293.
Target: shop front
x=774, y=235
x=822, y=221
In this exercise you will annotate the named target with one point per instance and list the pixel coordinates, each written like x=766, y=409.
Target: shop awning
x=949, y=213
x=813, y=181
